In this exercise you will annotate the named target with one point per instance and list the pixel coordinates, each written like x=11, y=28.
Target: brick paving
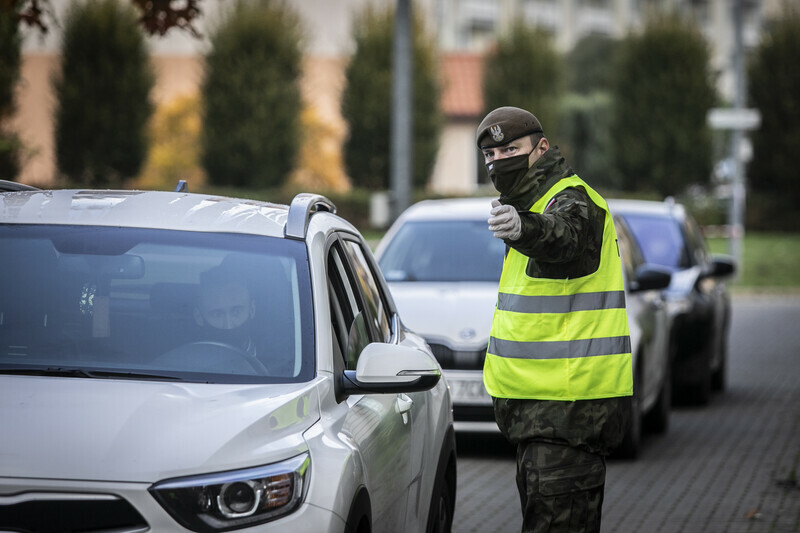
x=728, y=467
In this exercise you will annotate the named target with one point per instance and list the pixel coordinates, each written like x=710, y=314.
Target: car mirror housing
x=650, y=277
x=721, y=265
x=391, y=369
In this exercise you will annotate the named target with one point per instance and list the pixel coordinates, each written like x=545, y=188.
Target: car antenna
x=182, y=186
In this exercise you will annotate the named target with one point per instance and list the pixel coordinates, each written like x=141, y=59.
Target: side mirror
x=721, y=265
x=391, y=368
x=650, y=277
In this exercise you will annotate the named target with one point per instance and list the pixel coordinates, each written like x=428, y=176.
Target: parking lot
x=728, y=467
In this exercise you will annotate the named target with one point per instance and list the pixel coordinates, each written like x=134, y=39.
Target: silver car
x=173, y=361
x=443, y=267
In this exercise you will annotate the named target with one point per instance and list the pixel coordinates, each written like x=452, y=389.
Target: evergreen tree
x=251, y=128
x=102, y=93
x=591, y=64
x=524, y=70
x=587, y=110
x=662, y=94
x=774, y=89
x=9, y=74
x=367, y=101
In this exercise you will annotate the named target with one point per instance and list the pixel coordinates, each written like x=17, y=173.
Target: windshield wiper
x=81, y=373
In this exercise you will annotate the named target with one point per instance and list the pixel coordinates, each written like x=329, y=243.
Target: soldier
x=558, y=366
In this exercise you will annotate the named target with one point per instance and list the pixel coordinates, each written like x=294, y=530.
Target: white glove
x=505, y=222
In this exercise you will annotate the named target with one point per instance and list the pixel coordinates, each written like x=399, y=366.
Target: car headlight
x=233, y=500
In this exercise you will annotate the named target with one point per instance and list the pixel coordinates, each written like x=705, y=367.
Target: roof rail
x=11, y=186
x=303, y=206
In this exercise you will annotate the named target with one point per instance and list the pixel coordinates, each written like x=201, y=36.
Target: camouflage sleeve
x=561, y=233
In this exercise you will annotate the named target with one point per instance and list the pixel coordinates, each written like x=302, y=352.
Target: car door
x=379, y=425
x=713, y=294
x=648, y=309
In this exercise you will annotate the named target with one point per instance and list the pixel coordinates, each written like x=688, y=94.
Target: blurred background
x=697, y=100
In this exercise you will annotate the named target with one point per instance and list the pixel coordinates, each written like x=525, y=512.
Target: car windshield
x=133, y=303
x=452, y=250
x=660, y=240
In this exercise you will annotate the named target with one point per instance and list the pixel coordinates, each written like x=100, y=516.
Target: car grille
x=458, y=359
x=28, y=513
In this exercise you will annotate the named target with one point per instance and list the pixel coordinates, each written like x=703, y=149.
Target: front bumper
x=57, y=505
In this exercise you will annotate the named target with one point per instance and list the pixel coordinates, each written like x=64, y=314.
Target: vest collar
x=543, y=174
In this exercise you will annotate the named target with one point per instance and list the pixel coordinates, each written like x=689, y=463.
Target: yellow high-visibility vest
x=561, y=339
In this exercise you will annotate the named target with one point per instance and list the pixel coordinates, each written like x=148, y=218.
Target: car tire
x=657, y=420
x=719, y=376
x=631, y=443
x=699, y=391
x=440, y=515
x=359, y=520
x=443, y=496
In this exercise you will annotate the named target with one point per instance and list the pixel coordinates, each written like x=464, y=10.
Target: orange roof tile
x=462, y=90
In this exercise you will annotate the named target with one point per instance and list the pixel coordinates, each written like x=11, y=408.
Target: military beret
x=505, y=124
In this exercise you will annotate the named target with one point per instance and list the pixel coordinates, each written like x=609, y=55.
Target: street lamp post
x=402, y=113
x=737, y=120
x=736, y=214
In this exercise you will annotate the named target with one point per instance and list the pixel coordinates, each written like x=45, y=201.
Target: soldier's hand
x=504, y=221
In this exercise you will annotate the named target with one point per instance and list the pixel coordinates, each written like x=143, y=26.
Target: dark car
x=697, y=297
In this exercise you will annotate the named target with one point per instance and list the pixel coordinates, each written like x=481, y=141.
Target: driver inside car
x=225, y=310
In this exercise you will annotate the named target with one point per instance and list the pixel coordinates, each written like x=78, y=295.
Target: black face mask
x=506, y=173
x=238, y=337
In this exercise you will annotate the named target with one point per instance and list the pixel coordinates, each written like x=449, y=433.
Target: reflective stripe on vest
x=589, y=301
x=561, y=349
x=561, y=339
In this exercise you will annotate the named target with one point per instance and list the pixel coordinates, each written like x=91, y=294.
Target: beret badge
x=497, y=133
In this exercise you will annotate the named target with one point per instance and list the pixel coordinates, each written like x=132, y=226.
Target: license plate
x=468, y=389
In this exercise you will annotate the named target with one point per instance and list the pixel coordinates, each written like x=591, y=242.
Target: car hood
x=113, y=430
x=458, y=313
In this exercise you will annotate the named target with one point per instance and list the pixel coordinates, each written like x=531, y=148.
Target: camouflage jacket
x=563, y=242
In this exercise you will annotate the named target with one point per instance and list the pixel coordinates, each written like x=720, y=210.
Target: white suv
x=181, y=362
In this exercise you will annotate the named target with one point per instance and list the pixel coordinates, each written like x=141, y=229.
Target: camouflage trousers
x=560, y=466
x=560, y=488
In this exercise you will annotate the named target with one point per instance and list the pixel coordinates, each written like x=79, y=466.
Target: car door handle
x=404, y=403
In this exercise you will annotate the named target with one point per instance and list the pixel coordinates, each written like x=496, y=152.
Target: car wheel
x=359, y=520
x=699, y=391
x=719, y=376
x=440, y=516
x=629, y=449
x=443, y=497
x=657, y=420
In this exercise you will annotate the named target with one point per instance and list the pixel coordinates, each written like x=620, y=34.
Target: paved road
x=729, y=467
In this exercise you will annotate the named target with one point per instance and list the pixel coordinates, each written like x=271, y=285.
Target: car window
x=347, y=310
x=376, y=313
x=224, y=308
x=660, y=240
x=696, y=241
x=629, y=254
x=452, y=250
